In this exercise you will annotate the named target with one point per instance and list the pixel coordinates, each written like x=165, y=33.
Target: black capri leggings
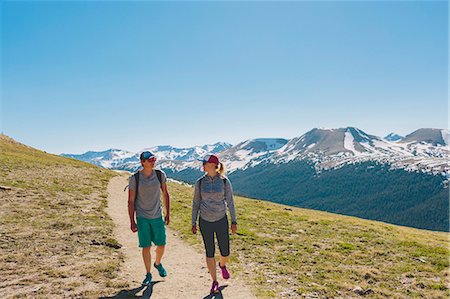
x=219, y=227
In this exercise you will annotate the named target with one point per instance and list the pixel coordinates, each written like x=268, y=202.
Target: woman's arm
x=195, y=206
x=230, y=203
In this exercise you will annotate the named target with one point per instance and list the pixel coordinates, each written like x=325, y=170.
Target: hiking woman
x=212, y=195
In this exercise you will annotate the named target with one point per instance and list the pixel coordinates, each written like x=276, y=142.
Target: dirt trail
x=187, y=273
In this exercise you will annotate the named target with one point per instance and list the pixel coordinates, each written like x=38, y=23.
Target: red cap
x=210, y=159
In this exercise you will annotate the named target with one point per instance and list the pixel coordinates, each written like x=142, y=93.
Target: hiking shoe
x=162, y=272
x=225, y=273
x=214, y=287
x=148, y=279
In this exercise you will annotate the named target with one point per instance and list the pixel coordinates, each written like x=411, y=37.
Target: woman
x=212, y=195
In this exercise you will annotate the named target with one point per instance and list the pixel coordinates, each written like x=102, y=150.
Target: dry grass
x=49, y=219
x=291, y=252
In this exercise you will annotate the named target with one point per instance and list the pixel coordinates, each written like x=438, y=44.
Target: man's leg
x=146, y=255
x=145, y=243
x=159, y=254
x=159, y=238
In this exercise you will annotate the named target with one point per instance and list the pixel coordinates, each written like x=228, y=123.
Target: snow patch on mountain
x=393, y=137
x=348, y=142
x=445, y=136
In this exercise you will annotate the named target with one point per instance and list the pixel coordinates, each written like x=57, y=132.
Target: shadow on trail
x=216, y=296
x=131, y=294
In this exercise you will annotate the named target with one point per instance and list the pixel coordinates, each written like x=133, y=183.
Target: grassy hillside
x=50, y=221
x=368, y=190
x=56, y=240
x=287, y=251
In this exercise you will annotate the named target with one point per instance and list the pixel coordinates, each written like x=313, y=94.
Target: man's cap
x=210, y=159
x=147, y=155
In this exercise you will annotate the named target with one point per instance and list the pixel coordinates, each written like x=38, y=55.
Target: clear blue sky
x=79, y=76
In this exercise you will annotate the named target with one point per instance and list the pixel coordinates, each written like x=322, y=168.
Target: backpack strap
x=136, y=179
x=200, y=185
x=224, y=187
x=159, y=175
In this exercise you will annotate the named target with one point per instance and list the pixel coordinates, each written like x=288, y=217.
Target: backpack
x=200, y=185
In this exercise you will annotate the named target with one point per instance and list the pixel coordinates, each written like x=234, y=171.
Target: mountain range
x=424, y=150
x=126, y=160
x=402, y=180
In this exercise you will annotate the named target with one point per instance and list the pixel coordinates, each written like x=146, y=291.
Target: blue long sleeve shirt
x=214, y=198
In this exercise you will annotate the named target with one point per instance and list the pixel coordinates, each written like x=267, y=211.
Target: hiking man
x=144, y=200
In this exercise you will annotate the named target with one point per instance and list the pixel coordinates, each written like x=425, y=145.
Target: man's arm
x=131, y=211
x=166, y=202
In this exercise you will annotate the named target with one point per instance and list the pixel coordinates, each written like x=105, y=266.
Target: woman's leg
x=223, y=238
x=207, y=230
x=223, y=260
x=211, y=263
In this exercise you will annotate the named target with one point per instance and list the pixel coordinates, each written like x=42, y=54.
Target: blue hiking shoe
x=162, y=272
x=148, y=279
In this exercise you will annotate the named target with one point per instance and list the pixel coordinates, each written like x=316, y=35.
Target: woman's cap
x=210, y=159
x=146, y=155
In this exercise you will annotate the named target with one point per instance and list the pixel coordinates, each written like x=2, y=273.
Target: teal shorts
x=151, y=231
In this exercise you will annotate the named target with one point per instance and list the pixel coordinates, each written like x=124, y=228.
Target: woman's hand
x=194, y=229
x=233, y=228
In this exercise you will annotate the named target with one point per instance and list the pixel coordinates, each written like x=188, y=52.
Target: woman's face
x=209, y=167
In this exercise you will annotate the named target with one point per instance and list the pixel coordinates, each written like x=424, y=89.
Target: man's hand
x=167, y=219
x=233, y=228
x=133, y=227
x=194, y=229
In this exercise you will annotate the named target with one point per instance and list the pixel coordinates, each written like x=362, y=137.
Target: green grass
x=283, y=250
x=48, y=220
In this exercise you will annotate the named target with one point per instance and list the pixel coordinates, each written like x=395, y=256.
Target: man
x=146, y=204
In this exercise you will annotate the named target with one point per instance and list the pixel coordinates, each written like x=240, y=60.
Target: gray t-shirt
x=148, y=201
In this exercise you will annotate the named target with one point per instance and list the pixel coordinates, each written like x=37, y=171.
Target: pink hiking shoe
x=225, y=273
x=214, y=287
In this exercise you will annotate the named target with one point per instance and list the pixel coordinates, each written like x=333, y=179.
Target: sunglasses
x=150, y=160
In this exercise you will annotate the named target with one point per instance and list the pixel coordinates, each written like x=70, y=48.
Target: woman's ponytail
x=221, y=169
